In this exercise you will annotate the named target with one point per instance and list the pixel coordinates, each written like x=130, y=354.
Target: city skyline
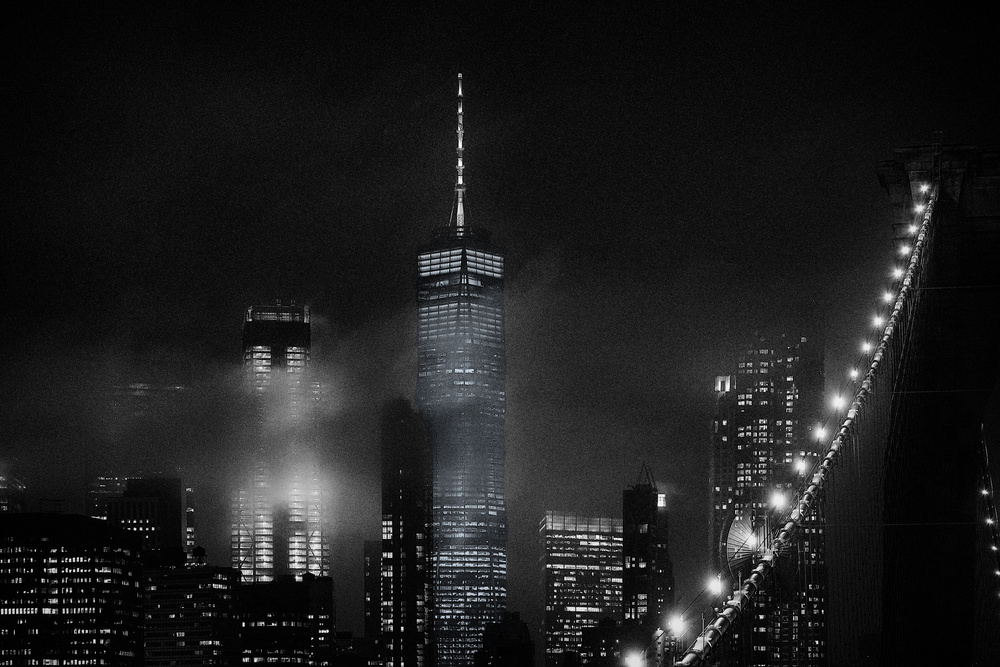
x=654, y=207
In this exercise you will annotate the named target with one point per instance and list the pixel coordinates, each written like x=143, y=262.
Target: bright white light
x=877, y=321
x=897, y=272
x=866, y=347
x=778, y=500
x=820, y=433
x=838, y=402
x=887, y=296
x=924, y=187
x=993, y=547
x=912, y=229
x=989, y=521
x=853, y=373
x=904, y=249
x=677, y=625
x=715, y=586
x=800, y=466
x=984, y=492
x=752, y=541
x=634, y=660
x=919, y=208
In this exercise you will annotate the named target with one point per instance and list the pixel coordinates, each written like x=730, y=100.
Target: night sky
x=664, y=185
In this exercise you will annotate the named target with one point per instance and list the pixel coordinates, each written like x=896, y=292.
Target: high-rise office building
x=461, y=384
x=647, y=573
x=190, y=616
x=405, y=548
x=582, y=561
x=288, y=622
x=764, y=446
x=70, y=591
x=278, y=516
x=154, y=507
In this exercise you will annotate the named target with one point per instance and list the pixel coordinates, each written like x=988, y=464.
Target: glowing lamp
x=634, y=660
x=866, y=347
x=877, y=321
x=984, y=492
x=677, y=625
x=752, y=541
x=820, y=433
x=800, y=466
x=853, y=373
x=897, y=272
x=919, y=208
x=912, y=229
x=887, y=296
x=838, y=402
x=715, y=585
x=904, y=249
x=924, y=187
x=778, y=500
x=989, y=521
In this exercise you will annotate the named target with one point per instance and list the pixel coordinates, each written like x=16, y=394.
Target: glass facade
x=764, y=445
x=583, y=578
x=278, y=518
x=461, y=382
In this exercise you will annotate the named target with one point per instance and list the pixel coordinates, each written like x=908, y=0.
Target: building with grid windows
x=404, y=563
x=582, y=571
x=461, y=385
x=278, y=521
x=764, y=445
x=70, y=591
x=648, y=573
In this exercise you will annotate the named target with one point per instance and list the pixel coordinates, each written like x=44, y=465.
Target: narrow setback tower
x=461, y=366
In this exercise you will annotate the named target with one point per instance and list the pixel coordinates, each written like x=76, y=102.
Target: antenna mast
x=460, y=183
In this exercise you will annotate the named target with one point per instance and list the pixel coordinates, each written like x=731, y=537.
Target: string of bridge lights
x=884, y=319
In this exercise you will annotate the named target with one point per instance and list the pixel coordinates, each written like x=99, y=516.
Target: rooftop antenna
x=460, y=183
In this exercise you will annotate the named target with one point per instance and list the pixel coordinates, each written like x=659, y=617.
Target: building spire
x=460, y=183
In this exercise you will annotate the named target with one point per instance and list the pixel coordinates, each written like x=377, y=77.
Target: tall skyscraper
x=405, y=548
x=278, y=518
x=763, y=447
x=461, y=381
x=648, y=573
x=582, y=561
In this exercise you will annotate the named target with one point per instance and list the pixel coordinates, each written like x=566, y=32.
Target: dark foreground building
x=70, y=591
x=190, y=617
x=461, y=385
x=404, y=564
x=288, y=622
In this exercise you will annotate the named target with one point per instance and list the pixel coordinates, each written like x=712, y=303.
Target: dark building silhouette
x=405, y=548
x=373, y=592
x=156, y=509
x=278, y=516
x=70, y=591
x=461, y=385
x=191, y=616
x=764, y=443
x=12, y=491
x=288, y=622
x=103, y=488
x=647, y=572
x=506, y=644
x=582, y=574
